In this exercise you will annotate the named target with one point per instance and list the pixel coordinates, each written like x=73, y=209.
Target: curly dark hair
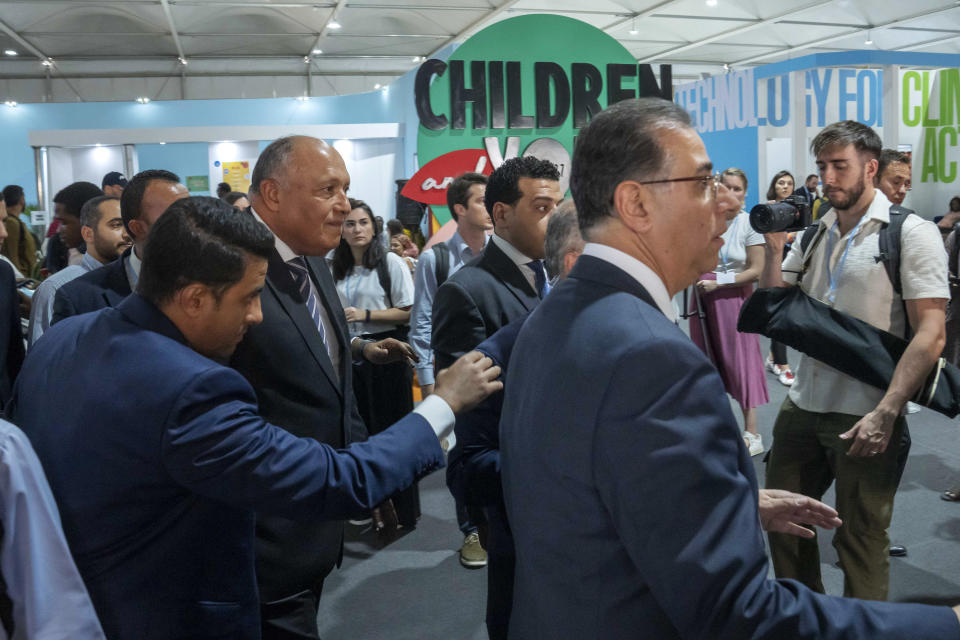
x=503, y=183
x=342, y=256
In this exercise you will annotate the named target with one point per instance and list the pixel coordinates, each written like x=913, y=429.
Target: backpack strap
x=442, y=264
x=954, y=253
x=809, y=239
x=383, y=275
x=889, y=239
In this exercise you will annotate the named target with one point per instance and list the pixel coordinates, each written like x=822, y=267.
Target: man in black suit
x=809, y=189
x=144, y=200
x=504, y=283
x=299, y=362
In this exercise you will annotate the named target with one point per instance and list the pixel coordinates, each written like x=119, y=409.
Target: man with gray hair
x=299, y=362
x=631, y=497
x=103, y=232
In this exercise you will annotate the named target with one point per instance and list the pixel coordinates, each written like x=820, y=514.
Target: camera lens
x=774, y=217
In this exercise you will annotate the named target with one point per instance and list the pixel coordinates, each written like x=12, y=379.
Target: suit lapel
x=281, y=285
x=506, y=271
x=117, y=284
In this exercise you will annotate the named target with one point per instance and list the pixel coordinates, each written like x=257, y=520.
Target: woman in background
x=736, y=355
x=376, y=291
x=404, y=247
x=780, y=187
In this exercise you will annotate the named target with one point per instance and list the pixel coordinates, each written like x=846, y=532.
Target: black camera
x=793, y=213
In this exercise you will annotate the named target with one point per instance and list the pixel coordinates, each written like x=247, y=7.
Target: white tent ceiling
x=98, y=50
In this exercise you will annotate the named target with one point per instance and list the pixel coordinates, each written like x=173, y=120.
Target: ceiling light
x=416, y=58
x=182, y=60
x=306, y=59
x=869, y=40
x=10, y=52
x=333, y=24
x=98, y=145
x=11, y=103
x=143, y=100
x=47, y=62
x=377, y=86
x=317, y=52
x=633, y=29
x=726, y=67
x=711, y=3
x=163, y=143
x=303, y=98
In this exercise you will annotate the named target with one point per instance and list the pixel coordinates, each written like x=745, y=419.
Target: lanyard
x=834, y=278
x=732, y=231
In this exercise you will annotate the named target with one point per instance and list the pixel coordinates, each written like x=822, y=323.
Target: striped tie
x=298, y=269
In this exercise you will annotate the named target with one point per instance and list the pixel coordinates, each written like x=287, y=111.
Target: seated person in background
x=41, y=593
x=105, y=237
x=159, y=515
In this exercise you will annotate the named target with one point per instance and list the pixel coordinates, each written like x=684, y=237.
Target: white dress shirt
x=638, y=271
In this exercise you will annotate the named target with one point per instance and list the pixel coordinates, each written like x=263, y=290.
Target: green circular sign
x=522, y=83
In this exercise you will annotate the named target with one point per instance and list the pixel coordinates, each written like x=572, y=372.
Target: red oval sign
x=429, y=185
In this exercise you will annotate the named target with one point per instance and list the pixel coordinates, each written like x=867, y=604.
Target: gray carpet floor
x=414, y=587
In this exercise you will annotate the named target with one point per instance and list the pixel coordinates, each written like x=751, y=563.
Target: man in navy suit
x=158, y=471
x=143, y=201
x=632, y=500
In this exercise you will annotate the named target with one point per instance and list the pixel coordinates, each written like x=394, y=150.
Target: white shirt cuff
x=438, y=413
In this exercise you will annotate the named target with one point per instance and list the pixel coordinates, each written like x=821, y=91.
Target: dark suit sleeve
x=217, y=445
x=687, y=513
x=14, y=338
x=63, y=306
x=474, y=464
x=458, y=325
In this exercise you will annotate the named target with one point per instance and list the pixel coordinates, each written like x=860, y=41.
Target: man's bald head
x=299, y=188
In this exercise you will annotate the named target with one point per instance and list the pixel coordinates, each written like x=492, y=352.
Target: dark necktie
x=539, y=277
x=298, y=269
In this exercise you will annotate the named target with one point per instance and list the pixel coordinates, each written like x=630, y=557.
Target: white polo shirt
x=864, y=291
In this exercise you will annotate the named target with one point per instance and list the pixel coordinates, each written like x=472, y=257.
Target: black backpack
x=441, y=267
x=888, y=239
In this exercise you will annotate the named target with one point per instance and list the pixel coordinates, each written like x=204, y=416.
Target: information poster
x=237, y=175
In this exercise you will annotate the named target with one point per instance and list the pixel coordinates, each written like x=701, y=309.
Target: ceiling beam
x=173, y=31
x=815, y=43
x=490, y=15
x=733, y=32
x=649, y=11
x=928, y=43
x=21, y=41
x=326, y=26
x=227, y=56
x=203, y=74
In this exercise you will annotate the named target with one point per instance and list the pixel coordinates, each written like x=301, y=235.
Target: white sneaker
x=786, y=377
x=913, y=407
x=754, y=443
x=772, y=367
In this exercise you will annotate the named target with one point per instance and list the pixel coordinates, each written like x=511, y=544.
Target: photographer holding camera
x=831, y=426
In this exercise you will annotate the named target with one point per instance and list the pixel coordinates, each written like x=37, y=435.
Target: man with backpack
x=883, y=264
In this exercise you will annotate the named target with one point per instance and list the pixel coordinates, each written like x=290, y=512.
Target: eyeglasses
x=712, y=181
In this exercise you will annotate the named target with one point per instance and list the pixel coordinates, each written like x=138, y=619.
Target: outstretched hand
x=389, y=350
x=468, y=381
x=787, y=512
